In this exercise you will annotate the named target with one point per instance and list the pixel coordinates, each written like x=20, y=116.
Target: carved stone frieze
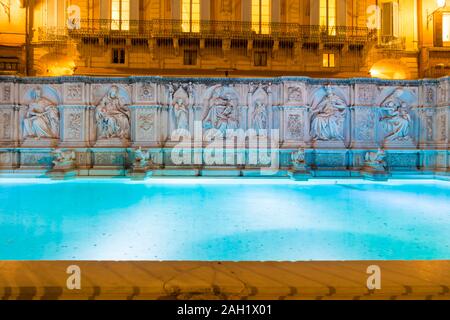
x=337, y=121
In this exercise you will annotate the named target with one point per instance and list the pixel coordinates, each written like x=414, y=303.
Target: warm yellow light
x=120, y=14
x=190, y=16
x=328, y=60
x=327, y=15
x=61, y=69
x=446, y=27
x=389, y=69
x=441, y=3
x=261, y=16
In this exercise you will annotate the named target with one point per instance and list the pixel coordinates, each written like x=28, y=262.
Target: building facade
x=400, y=39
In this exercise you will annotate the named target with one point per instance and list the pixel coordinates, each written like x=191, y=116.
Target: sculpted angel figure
x=259, y=116
x=327, y=119
x=112, y=116
x=42, y=118
x=181, y=114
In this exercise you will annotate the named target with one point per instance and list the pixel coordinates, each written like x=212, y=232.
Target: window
x=190, y=57
x=260, y=59
x=118, y=55
x=446, y=28
x=389, y=21
x=120, y=14
x=190, y=15
x=328, y=60
x=328, y=16
x=261, y=16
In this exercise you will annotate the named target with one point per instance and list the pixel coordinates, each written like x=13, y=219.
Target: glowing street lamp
x=441, y=3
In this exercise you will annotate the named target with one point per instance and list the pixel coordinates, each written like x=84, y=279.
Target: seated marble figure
x=41, y=119
x=112, y=116
x=328, y=117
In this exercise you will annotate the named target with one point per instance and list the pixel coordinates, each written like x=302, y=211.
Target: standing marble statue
x=259, y=116
x=328, y=117
x=181, y=114
x=112, y=116
x=42, y=118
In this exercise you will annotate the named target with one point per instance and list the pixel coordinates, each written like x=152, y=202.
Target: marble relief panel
x=6, y=93
x=6, y=123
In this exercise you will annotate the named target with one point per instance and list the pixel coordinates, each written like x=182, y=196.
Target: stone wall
x=328, y=127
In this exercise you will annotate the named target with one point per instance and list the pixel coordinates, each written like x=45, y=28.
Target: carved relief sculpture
x=295, y=126
x=42, y=118
x=63, y=159
x=328, y=117
x=396, y=120
x=295, y=94
x=259, y=117
x=298, y=160
x=112, y=116
x=146, y=91
x=141, y=159
x=181, y=114
x=375, y=160
x=5, y=128
x=222, y=113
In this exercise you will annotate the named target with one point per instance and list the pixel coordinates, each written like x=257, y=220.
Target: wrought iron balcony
x=159, y=28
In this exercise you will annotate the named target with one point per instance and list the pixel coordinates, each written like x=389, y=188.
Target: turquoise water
x=220, y=219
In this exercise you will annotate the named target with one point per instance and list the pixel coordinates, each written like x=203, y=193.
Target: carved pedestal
x=62, y=173
x=140, y=173
x=375, y=174
x=299, y=175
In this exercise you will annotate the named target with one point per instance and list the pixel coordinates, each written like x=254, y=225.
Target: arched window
x=120, y=14
x=328, y=16
x=190, y=15
x=261, y=16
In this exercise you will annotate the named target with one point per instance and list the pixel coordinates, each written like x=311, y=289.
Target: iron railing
x=161, y=28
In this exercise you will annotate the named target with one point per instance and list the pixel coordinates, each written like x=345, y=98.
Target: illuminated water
x=219, y=219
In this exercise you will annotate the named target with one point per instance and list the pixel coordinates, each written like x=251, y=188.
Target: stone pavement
x=224, y=280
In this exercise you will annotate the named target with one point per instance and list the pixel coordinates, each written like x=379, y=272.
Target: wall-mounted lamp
x=441, y=3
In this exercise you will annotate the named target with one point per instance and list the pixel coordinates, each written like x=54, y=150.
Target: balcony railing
x=159, y=28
